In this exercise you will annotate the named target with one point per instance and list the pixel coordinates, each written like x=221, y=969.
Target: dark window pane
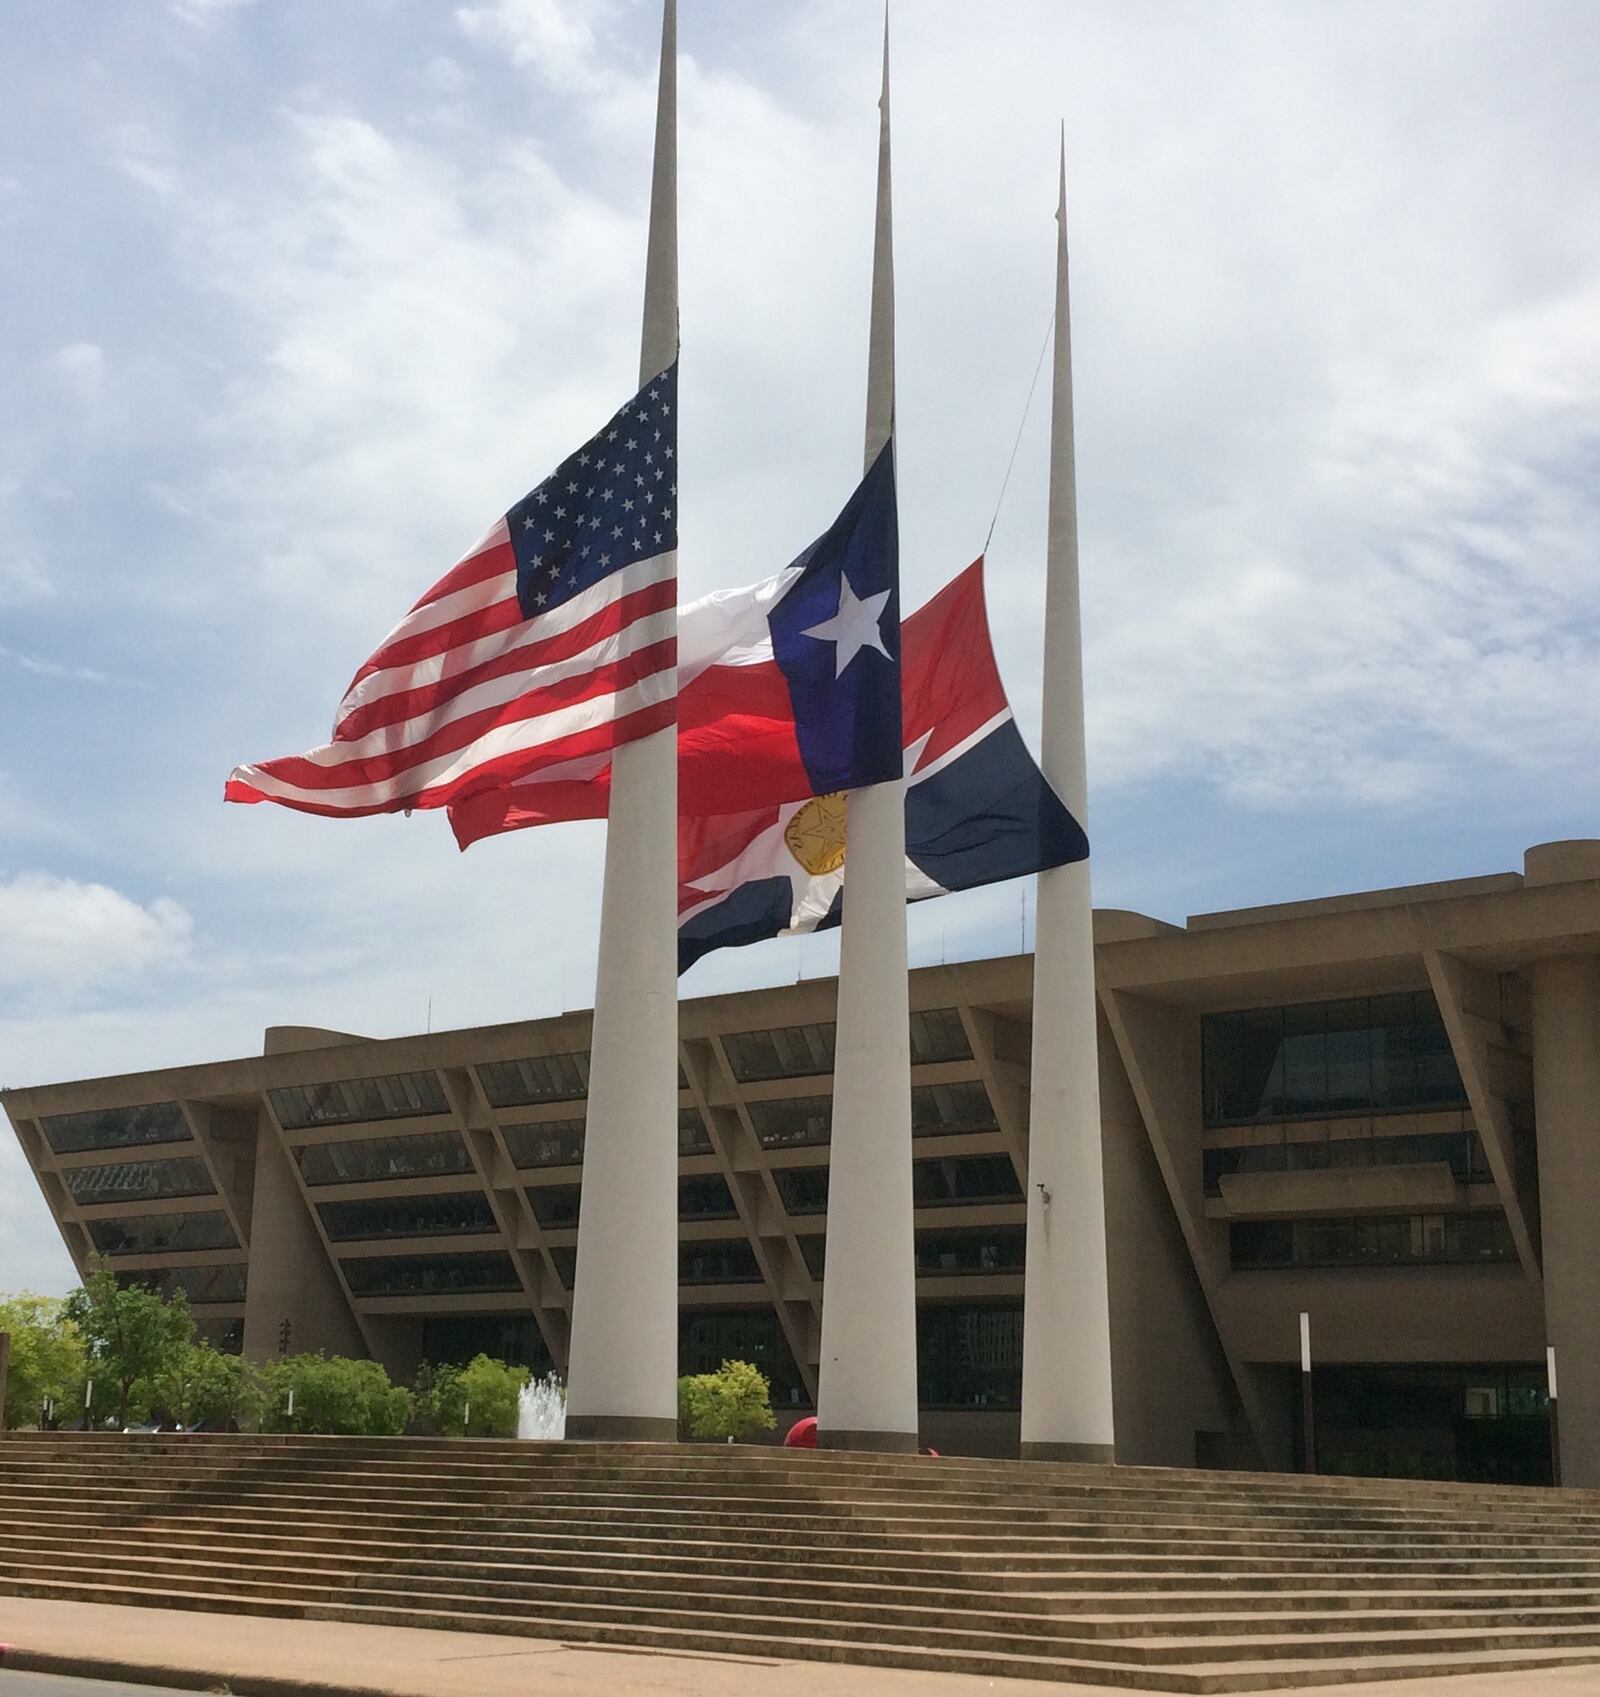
x=429, y=1275
x=116, y=1128
x=150, y=1234
x=796, y=1121
x=353, y=1101
x=939, y=1036
x=969, y=1178
x=804, y=1189
x=550, y=1143
x=969, y=1357
x=815, y=1251
x=1366, y=1054
x=1387, y=1240
x=555, y=1205
x=975, y=1249
x=729, y=1262
x=454, y=1339
x=199, y=1284
x=705, y=1197
x=139, y=1181
x=708, y=1337
x=226, y=1337
x=371, y=1159
x=693, y=1138
x=793, y=1051
x=447, y=1215
x=937, y=1108
x=540, y=1078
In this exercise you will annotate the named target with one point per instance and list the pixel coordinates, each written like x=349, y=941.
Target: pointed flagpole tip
x=1061, y=201
x=883, y=98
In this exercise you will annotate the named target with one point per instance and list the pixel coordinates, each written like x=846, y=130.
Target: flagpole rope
x=1027, y=407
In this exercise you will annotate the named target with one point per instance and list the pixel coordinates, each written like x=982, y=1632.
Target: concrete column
x=1566, y=1100
x=867, y=1381
x=623, y=1361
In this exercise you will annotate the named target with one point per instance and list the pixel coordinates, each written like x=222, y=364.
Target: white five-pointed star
x=854, y=627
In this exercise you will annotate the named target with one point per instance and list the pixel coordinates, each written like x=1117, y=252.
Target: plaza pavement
x=252, y=1656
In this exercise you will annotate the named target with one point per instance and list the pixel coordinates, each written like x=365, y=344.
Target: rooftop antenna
x=430, y=1013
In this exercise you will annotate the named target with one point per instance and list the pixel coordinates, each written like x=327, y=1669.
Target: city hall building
x=1382, y=1110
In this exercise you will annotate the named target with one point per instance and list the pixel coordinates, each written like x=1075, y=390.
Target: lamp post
x=1307, y=1406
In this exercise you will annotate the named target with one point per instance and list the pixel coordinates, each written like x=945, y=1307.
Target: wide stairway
x=1145, y=1578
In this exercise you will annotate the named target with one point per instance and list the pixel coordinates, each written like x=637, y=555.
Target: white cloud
x=555, y=39
x=80, y=367
x=65, y=936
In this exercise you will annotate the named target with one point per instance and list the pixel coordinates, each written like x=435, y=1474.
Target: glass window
x=729, y=1261
x=199, y=1284
x=693, y=1138
x=454, y=1339
x=352, y=1101
x=539, y=1078
x=555, y=1205
x=226, y=1337
x=793, y=1051
x=708, y=1337
x=815, y=1251
x=964, y=1178
x=938, y=1108
x=550, y=1143
x=565, y=1258
x=792, y=1122
x=1461, y=1151
x=371, y=1159
x=1364, y=1054
x=429, y=1275
x=116, y=1128
x=969, y=1357
x=139, y=1181
x=456, y=1212
x=804, y=1189
x=153, y=1233
x=705, y=1197
x=939, y=1035
x=1388, y=1240
x=974, y=1249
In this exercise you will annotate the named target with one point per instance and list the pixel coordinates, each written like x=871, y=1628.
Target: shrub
x=133, y=1336
x=729, y=1403
x=334, y=1394
x=206, y=1388
x=479, y=1400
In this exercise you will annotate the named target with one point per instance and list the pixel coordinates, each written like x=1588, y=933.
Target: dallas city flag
x=554, y=640
x=787, y=690
x=978, y=809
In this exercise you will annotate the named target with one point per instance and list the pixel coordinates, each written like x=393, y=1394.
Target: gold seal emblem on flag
x=815, y=834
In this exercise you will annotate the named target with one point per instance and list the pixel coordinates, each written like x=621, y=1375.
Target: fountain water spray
x=542, y=1409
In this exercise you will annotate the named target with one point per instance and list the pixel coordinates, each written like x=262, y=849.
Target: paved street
x=64, y=1685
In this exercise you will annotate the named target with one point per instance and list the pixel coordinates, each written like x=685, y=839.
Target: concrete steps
x=1142, y=1578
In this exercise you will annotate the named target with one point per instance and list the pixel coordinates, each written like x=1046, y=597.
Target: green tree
x=729, y=1403
x=479, y=1400
x=47, y=1358
x=334, y=1394
x=205, y=1387
x=133, y=1335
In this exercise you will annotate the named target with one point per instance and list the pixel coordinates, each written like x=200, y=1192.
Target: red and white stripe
x=466, y=693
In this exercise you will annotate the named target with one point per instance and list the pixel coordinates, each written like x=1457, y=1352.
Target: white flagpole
x=623, y=1368
x=1066, y=1323
x=867, y=1397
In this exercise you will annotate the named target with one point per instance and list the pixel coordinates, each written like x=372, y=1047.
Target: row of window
x=801, y=1121
x=355, y=1101
x=454, y=1214
x=935, y=1182
x=945, y=1253
x=1461, y=1151
x=1390, y=1240
x=800, y=1051
x=559, y=1143
x=116, y=1128
x=155, y=1233
x=701, y=1196
x=1365, y=1054
x=139, y=1181
x=431, y=1275
x=366, y=1160
x=199, y=1284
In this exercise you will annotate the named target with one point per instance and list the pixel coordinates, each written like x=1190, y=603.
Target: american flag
x=553, y=641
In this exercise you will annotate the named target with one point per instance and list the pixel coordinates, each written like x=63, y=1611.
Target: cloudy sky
x=295, y=298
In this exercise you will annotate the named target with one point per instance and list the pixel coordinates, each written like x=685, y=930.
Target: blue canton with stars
x=612, y=503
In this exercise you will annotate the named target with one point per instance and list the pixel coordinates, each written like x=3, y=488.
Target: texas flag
x=978, y=809
x=786, y=690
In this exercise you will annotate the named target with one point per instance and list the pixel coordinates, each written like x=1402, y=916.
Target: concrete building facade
x=1382, y=1110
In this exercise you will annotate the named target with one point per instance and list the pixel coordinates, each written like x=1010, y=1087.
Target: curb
x=17, y=1659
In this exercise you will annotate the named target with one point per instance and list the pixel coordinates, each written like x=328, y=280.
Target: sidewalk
x=255, y=1657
